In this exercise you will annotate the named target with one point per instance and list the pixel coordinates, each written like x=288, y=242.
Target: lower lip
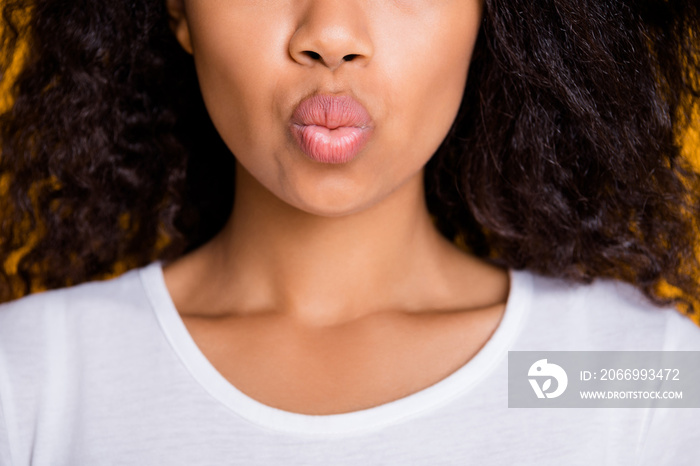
x=339, y=145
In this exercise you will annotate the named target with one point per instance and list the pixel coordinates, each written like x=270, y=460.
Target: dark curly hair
x=564, y=158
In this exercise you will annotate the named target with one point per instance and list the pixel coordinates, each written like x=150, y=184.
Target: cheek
x=425, y=82
x=238, y=78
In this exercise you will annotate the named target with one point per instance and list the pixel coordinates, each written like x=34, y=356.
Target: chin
x=329, y=196
x=331, y=207
x=332, y=203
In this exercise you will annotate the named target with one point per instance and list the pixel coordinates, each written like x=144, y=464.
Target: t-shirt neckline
x=438, y=394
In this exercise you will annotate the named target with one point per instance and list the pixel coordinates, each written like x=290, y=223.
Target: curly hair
x=564, y=158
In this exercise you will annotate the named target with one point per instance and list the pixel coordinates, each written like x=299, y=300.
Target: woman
x=297, y=292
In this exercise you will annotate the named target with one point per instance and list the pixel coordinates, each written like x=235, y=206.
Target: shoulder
x=122, y=291
x=607, y=314
x=61, y=347
x=46, y=336
x=83, y=312
x=84, y=292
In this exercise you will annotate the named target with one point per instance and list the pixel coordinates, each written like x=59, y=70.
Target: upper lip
x=331, y=111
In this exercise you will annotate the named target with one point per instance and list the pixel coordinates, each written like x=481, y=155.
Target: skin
x=331, y=281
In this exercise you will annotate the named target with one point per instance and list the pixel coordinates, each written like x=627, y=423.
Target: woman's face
x=332, y=105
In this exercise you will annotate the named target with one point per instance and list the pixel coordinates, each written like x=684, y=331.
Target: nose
x=331, y=32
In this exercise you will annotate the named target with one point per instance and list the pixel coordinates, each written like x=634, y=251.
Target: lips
x=331, y=129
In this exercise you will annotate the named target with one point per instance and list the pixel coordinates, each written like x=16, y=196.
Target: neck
x=325, y=271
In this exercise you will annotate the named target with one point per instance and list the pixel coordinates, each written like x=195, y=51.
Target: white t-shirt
x=105, y=373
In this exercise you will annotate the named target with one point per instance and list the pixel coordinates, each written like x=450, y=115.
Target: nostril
x=317, y=56
x=311, y=54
